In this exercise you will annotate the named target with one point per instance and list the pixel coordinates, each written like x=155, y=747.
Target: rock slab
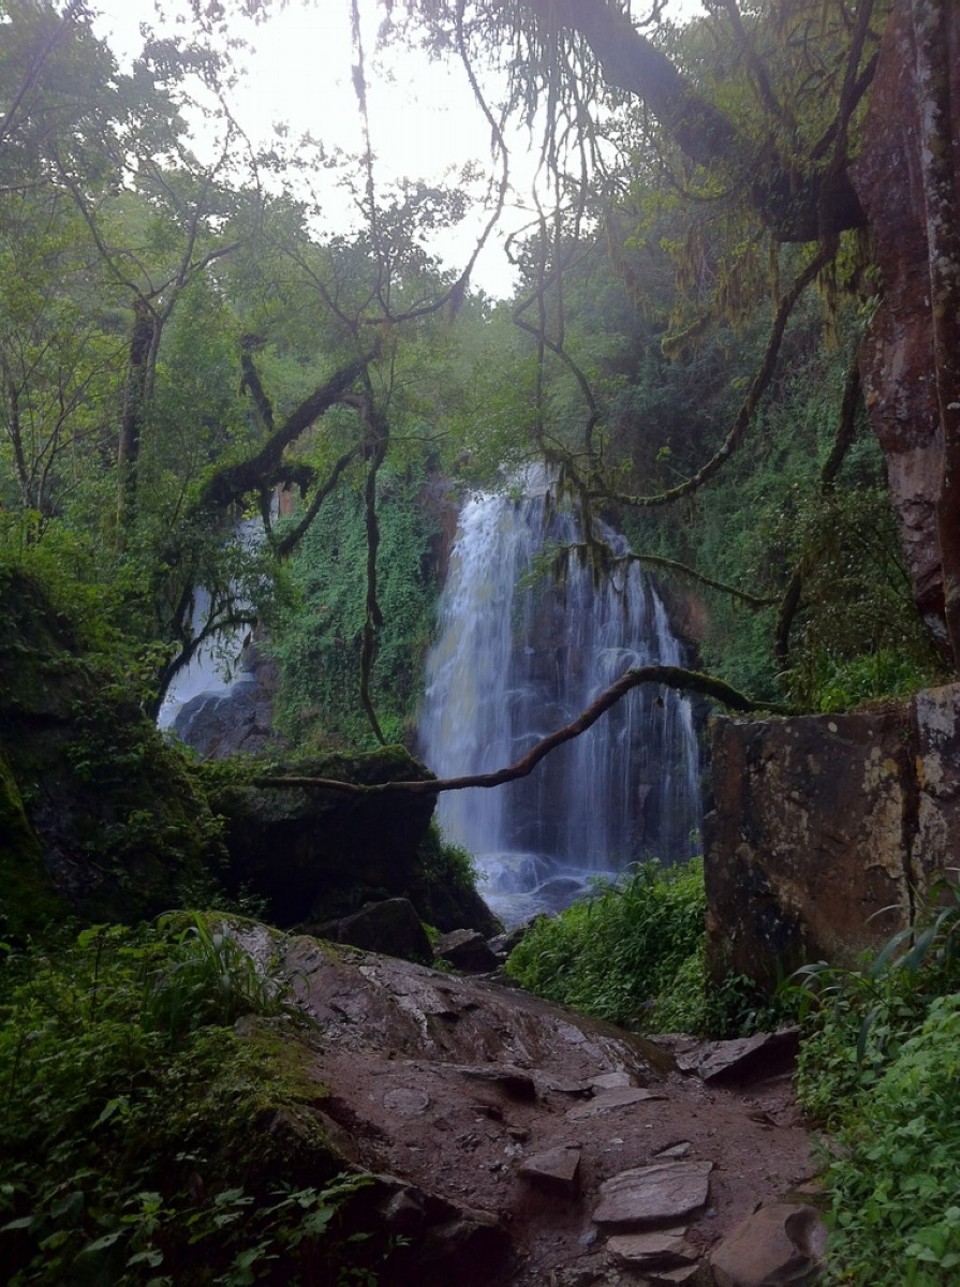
x=649, y=1195
x=616, y=1097
x=783, y=1243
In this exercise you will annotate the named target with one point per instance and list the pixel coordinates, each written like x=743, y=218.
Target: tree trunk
x=938, y=133
x=134, y=403
x=796, y=206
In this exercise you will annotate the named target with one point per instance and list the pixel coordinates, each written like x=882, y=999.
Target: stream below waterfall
x=520, y=653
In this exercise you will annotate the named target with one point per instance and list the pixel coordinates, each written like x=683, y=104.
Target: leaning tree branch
x=685, y=572
x=749, y=406
x=690, y=681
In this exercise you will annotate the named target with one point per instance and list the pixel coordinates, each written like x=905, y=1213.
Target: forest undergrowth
x=879, y=1066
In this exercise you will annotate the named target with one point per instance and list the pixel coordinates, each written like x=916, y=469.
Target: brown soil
x=455, y=1085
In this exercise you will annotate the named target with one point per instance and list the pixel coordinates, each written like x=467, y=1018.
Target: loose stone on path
x=660, y=1194
x=557, y=1168
x=617, y=1097
x=663, y=1250
x=780, y=1243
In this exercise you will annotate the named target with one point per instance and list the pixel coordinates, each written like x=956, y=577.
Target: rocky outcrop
x=391, y=927
x=517, y=1143
x=897, y=355
x=466, y=950
x=827, y=829
x=315, y=854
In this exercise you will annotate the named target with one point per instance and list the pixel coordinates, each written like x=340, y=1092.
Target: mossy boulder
x=98, y=816
x=102, y=819
x=315, y=854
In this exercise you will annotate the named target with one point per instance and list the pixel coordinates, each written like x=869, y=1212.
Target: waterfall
x=520, y=653
x=215, y=668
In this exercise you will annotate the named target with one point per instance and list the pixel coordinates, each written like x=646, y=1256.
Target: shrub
x=619, y=953
x=131, y=1121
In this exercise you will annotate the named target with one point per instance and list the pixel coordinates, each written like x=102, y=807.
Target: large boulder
x=316, y=854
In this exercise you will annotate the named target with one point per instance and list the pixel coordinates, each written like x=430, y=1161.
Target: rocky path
x=524, y=1145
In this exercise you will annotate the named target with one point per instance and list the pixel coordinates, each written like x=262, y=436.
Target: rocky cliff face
x=828, y=830
x=897, y=357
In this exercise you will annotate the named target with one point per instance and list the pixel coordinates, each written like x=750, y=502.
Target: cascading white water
x=520, y=654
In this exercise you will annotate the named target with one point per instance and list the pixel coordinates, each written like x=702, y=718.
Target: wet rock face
x=896, y=357
x=826, y=829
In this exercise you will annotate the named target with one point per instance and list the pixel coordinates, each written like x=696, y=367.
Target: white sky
x=423, y=118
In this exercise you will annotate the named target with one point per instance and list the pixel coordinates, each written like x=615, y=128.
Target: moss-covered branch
x=231, y=483
x=688, y=681
x=687, y=573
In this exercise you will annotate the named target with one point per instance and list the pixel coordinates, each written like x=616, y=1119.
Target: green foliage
x=131, y=1120
x=318, y=642
x=878, y=1064
x=447, y=865
x=207, y=978
x=838, y=684
x=617, y=954
x=895, y=1196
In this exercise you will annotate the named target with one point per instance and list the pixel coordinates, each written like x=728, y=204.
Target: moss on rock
x=316, y=854
x=28, y=899
x=103, y=818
